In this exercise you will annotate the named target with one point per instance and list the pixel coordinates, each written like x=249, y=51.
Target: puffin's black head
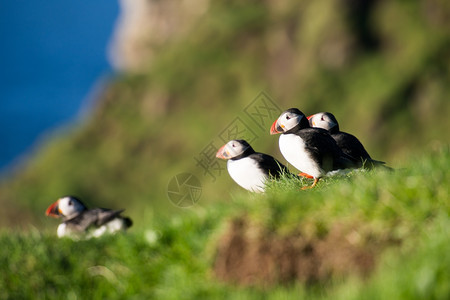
x=235, y=149
x=65, y=207
x=290, y=120
x=324, y=120
x=294, y=111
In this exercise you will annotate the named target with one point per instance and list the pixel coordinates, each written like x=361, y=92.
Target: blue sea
x=52, y=53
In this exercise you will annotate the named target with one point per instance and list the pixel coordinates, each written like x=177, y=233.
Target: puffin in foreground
x=248, y=168
x=348, y=143
x=79, y=221
x=311, y=150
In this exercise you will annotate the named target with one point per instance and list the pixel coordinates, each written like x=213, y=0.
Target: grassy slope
x=173, y=258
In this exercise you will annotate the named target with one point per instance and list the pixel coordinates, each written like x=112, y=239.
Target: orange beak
x=221, y=153
x=275, y=128
x=309, y=117
x=53, y=210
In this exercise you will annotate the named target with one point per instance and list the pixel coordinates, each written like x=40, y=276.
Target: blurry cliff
x=188, y=68
x=146, y=27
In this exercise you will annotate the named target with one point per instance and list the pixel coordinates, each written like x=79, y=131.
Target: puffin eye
x=287, y=117
x=321, y=119
x=70, y=203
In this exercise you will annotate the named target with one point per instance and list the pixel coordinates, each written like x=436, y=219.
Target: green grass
x=172, y=258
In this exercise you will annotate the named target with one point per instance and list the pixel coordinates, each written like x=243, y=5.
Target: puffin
x=311, y=150
x=79, y=221
x=348, y=143
x=248, y=168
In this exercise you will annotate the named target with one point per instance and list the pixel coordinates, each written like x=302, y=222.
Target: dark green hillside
x=382, y=67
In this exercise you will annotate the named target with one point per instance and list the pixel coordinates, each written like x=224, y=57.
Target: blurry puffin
x=248, y=168
x=348, y=143
x=78, y=220
x=311, y=150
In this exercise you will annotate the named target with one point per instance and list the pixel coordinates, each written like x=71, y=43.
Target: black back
x=94, y=217
x=269, y=165
x=324, y=149
x=350, y=145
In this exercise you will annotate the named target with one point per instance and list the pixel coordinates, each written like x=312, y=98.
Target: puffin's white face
x=285, y=122
x=322, y=120
x=65, y=207
x=69, y=205
x=232, y=149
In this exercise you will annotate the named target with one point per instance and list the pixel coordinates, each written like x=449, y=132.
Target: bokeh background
x=183, y=71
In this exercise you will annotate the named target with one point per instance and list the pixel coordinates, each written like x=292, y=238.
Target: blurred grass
x=172, y=257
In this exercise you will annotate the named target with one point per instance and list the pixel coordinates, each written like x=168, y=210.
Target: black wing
x=269, y=165
x=324, y=150
x=93, y=217
x=350, y=145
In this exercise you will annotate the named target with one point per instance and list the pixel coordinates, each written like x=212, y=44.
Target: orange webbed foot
x=313, y=185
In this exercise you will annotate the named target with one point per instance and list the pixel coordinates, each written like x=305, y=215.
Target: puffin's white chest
x=62, y=230
x=247, y=174
x=294, y=151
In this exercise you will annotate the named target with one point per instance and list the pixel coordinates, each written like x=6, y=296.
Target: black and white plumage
x=79, y=221
x=311, y=150
x=348, y=143
x=248, y=168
